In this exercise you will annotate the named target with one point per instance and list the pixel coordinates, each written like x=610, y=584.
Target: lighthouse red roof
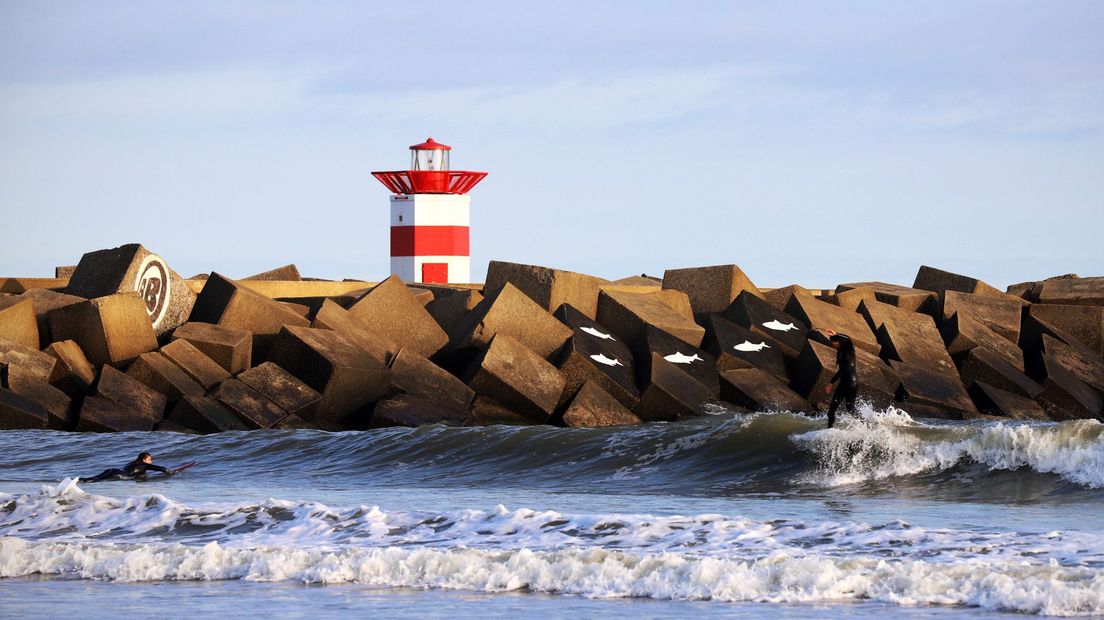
x=431, y=145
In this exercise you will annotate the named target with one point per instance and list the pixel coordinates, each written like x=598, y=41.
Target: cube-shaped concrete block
x=334, y=317
x=130, y=393
x=1084, y=324
x=17, y=321
x=758, y=316
x=449, y=311
x=46, y=300
x=626, y=314
x=518, y=378
x=287, y=273
x=73, y=373
x=281, y=387
x=486, y=411
x=932, y=393
x=593, y=407
x=103, y=415
x=158, y=372
x=962, y=332
x=512, y=313
x=415, y=375
x=205, y=415
x=994, y=401
x=823, y=316
x=548, y=287
x=1064, y=396
x=1081, y=362
x=110, y=330
x=939, y=281
x=903, y=297
x=226, y=303
x=983, y=364
x=670, y=394
x=390, y=310
x=595, y=354
x=711, y=289
x=196, y=364
x=1073, y=291
x=19, y=412
x=735, y=346
x=19, y=360
x=758, y=390
x=698, y=363
x=57, y=404
x=229, y=347
x=1002, y=314
x=409, y=410
x=250, y=406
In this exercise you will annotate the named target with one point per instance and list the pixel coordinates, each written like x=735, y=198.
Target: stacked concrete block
x=993, y=401
x=390, y=310
x=72, y=373
x=17, y=360
x=121, y=403
x=627, y=314
x=1064, y=396
x=336, y=318
x=940, y=281
x=205, y=415
x=669, y=394
x=417, y=376
x=46, y=300
x=758, y=390
x=710, y=289
x=110, y=330
x=17, y=321
x=281, y=387
x=253, y=409
x=195, y=363
x=518, y=378
x=18, y=412
x=548, y=287
x=594, y=354
x=409, y=410
x=1073, y=291
x=735, y=347
x=903, y=297
x=593, y=407
x=698, y=363
x=1000, y=313
x=160, y=373
x=511, y=312
x=1083, y=323
x=759, y=317
x=226, y=303
x=58, y=404
x=821, y=315
x=287, y=273
x=229, y=347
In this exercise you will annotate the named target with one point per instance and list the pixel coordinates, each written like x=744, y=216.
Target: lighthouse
x=430, y=216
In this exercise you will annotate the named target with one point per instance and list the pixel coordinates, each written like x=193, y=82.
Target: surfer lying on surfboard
x=136, y=470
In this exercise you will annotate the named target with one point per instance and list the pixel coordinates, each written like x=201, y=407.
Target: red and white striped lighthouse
x=430, y=216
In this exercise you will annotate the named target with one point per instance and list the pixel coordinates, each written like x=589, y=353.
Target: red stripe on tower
x=430, y=241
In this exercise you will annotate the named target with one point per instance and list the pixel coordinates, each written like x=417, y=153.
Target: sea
x=762, y=515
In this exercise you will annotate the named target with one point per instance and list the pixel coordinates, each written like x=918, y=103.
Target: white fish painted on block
x=779, y=326
x=678, y=358
x=598, y=334
x=749, y=347
x=608, y=361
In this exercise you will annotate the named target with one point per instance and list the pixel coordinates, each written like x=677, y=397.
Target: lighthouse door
x=435, y=273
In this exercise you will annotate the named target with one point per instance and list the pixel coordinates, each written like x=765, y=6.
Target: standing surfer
x=845, y=372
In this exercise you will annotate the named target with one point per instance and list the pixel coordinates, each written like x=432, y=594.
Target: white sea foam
x=882, y=444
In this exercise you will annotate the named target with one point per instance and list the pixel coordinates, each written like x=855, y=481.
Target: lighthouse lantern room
x=430, y=216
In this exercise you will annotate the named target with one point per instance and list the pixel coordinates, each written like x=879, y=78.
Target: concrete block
x=994, y=401
x=333, y=317
x=287, y=273
x=168, y=426
x=983, y=364
x=486, y=412
x=130, y=393
x=292, y=422
x=449, y=311
x=1001, y=313
x=593, y=407
x=415, y=375
x=962, y=332
x=17, y=360
x=670, y=394
x=779, y=298
x=110, y=330
x=103, y=415
x=1029, y=291
x=17, y=321
x=73, y=373
x=930, y=393
x=939, y=281
x=851, y=298
x=46, y=300
x=390, y=310
x=158, y=372
x=281, y=387
x=252, y=408
x=698, y=363
x=640, y=280
x=758, y=316
x=1073, y=291
x=229, y=347
x=18, y=412
x=1085, y=324
x=205, y=415
x=348, y=377
x=735, y=347
x=409, y=410
x=58, y=404
x=822, y=315
x=518, y=378
x=196, y=364
x=628, y=313
x=759, y=390
x=903, y=297
x=547, y=287
x=594, y=354
x=314, y=304
x=909, y=337
x=512, y=313
x=1064, y=396
x=131, y=268
x=1082, y=363
x=810, y=372
x=300, y=309
x=64, y=272
x=710, y=289
x=227, y=303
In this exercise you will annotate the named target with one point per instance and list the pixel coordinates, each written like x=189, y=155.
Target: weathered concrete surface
x=390, y=310
x=485, y=412
x=17, y=321
x=822, y=315
x=903, y=297
x=962, y=333
x=628, y=313
x=18, y=360
x=279, y=386
x=982, y=364
x=103, y=415
x=251, y=407
x=449, y=311
x=640, y=280
x=195, y=363
x=415, y=375
x=300, y=309
x=18, y=412
x=851, y=298
x=110, y=330
x=314, y=304
x=1064, y=396
x=1081, y=362
x=1083, y=323
x=333, y=317
x=409, y=410
x=518, y=378
x=779, y=297
x=909, y=337
x=594, y=354
x=759, y=390
x=1073, y=291
x=1001, y=313
x=991, y=400
x=593, y=407
x=58, y=404
x=696, y=362
x=348, y=377
x=205, y=415
x=46, y=300
x=670, y=394
x=810, y=372
x=734, y=346
x=16, y=286
x=927, y=392
x=710, y=289
x=64, y=272
x=287, y=273
x=227, y=303
x=229, y=347
x=939, y=281
x=512, y=313
x=158, y=372
x=73, y=373
x=758, y=316
x=132, y=268
x=547, y=287
x=131, y=394
x=1030, y=290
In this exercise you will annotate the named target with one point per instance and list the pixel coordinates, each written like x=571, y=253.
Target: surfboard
x=180, y=468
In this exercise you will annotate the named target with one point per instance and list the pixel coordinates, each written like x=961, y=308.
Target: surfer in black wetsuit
x=134, y=470
x=845, y=372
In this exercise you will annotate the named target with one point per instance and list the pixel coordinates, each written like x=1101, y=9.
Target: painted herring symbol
x=779, y=326
x=598, y=334
x=678, y=358
x=751, y=348
x=608, y=361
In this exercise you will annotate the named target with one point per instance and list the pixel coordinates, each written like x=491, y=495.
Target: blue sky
x=808, y=142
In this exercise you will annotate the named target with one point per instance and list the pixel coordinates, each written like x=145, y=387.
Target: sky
x=808, y=142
